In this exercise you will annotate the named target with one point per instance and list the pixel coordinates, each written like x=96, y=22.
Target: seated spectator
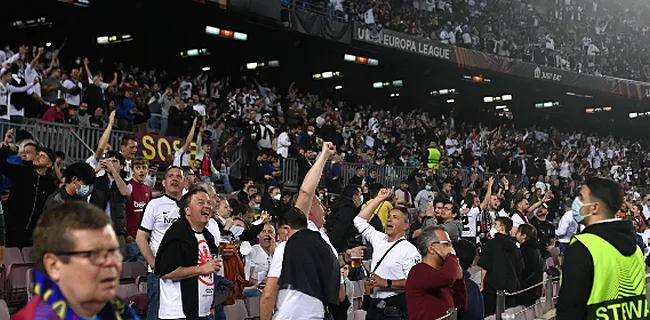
x=77, y=266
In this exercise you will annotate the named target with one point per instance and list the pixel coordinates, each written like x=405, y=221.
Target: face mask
x=256, y=206
x=83, y=191
x=237, y=230
x=77, y=61
x=326, y=194
x=385, y=140
x=575, y=210
x=493, y=232
x=361, y=201
x=277, y=197
x=310, y=133
x=428, y=188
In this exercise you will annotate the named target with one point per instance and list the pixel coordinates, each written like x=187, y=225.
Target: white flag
x=369, y=17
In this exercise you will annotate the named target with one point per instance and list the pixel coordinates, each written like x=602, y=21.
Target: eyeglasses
x=97, y=256
x=443, y=242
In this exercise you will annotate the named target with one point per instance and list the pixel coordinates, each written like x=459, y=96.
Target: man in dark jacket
x=502, y=265
x=31, y=185
x=111, y=192
x=340, y=228
x=78, y=179
x=533, y=272
x=184, y=260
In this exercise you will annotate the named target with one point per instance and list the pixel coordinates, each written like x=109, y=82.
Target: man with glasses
x=77, y=266
x=388, y=277
x=158, y=216
x=436, y=284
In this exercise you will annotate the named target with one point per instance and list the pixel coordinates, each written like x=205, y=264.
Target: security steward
x=433, y=156
x=603, y=276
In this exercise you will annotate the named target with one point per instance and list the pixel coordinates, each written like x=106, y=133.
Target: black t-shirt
x=545, y=232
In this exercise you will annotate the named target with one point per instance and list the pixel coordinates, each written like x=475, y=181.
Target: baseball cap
x=50, y=154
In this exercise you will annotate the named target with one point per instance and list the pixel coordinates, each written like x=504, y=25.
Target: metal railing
x=542, y=306
x=388, y=175
x=452, y=314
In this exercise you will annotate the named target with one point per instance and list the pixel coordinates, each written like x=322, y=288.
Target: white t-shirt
x=171, y=301
x=517, y=220
x=213, y=227
x=260, y=260
x=181, y=158
x=74, y=100
x=200, y=108
x=159, y=215
x=398, y=262
x=469, y=222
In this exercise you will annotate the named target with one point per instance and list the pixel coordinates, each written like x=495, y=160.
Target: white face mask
x=493, y=232
x=277, y=197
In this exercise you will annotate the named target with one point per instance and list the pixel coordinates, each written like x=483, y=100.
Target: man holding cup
x=187, y=287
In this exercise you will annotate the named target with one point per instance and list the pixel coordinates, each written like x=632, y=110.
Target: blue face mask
x=428, y=188
x=257, y=206
x=83, y=191
x=361, y=201
x=575, y=210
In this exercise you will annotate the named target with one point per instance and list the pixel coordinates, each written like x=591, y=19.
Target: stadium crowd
x=597, y=37
x=451, y=206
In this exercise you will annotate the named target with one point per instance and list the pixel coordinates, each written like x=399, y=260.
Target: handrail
x=531, y=287
x=452, y=314
x=74, y=134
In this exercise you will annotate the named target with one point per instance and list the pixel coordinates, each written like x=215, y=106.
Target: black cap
x=50, y=154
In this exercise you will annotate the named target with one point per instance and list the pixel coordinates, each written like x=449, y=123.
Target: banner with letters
x=403, y=42
x=471, y=59
x=157, y=148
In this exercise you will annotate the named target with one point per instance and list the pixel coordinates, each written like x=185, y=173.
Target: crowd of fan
x=598, y=37
x=269, y=127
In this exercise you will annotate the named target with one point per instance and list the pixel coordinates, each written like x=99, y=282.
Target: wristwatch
x=389, y=283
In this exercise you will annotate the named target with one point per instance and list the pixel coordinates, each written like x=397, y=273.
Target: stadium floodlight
x=506, y=97
x=394, y=95
x=338, y=87
x=633, y=115
x=327, y=75
x=206, y=69
x=251, y=65
x=195, y=53
x=398, y=83
x=488, y=99
x=360, y=60
x=228, y=34
x=451, y=100
x=114, y=39
x=506, y=110
x=377, y=85
x=501, y=107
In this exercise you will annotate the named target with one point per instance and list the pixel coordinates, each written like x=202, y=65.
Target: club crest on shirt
x=204, y=257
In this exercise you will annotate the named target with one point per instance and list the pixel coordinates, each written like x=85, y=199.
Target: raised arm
x=383, y=195
x=190, y=136
x=103, y=140
x=308, y=187
x=488, y=194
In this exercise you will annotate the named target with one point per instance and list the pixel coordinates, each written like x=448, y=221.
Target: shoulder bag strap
x=385, y=254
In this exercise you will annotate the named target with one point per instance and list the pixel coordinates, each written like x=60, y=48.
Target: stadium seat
x=16, y=284
x=4, y=311
x=29, y=283
x=127, y=290
x=132, y=270
x=236, y=311
x=253, y=307
x=27, y=254
x=12, y=255
x=141, y=282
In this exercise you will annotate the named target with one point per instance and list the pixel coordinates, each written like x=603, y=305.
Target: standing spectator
x=55, y=113
x=604, y=263
x=436, y=284
x=272, y=202
x=110, y=192
x=187, y=286
x=126, y=111
x=181, y=156
x=425, y=196
x=545, y=231
x=388, y=277
x=533, y=271
x=72, y=88
x=261, y=255
x=31, y=184
x=308, y=139
x=284, y=143
x=566, y=229
x=449, y=219
x=77, y=264
x=78, y=179
x=358, y=178
x=158, y=216
x=129, y=149
x=140, y=196
x=466, y=252
x=267, y=133
x=6, y=92
x=339, y=225
x=334, y=176
x=207, y=172
x=502, y=265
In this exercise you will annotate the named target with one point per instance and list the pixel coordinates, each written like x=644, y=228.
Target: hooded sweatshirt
x=504, y=264
x=579, y=266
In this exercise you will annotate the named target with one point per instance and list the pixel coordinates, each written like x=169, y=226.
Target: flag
x=369, y=17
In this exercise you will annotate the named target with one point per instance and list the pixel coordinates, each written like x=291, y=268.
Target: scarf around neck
x=54, y=303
